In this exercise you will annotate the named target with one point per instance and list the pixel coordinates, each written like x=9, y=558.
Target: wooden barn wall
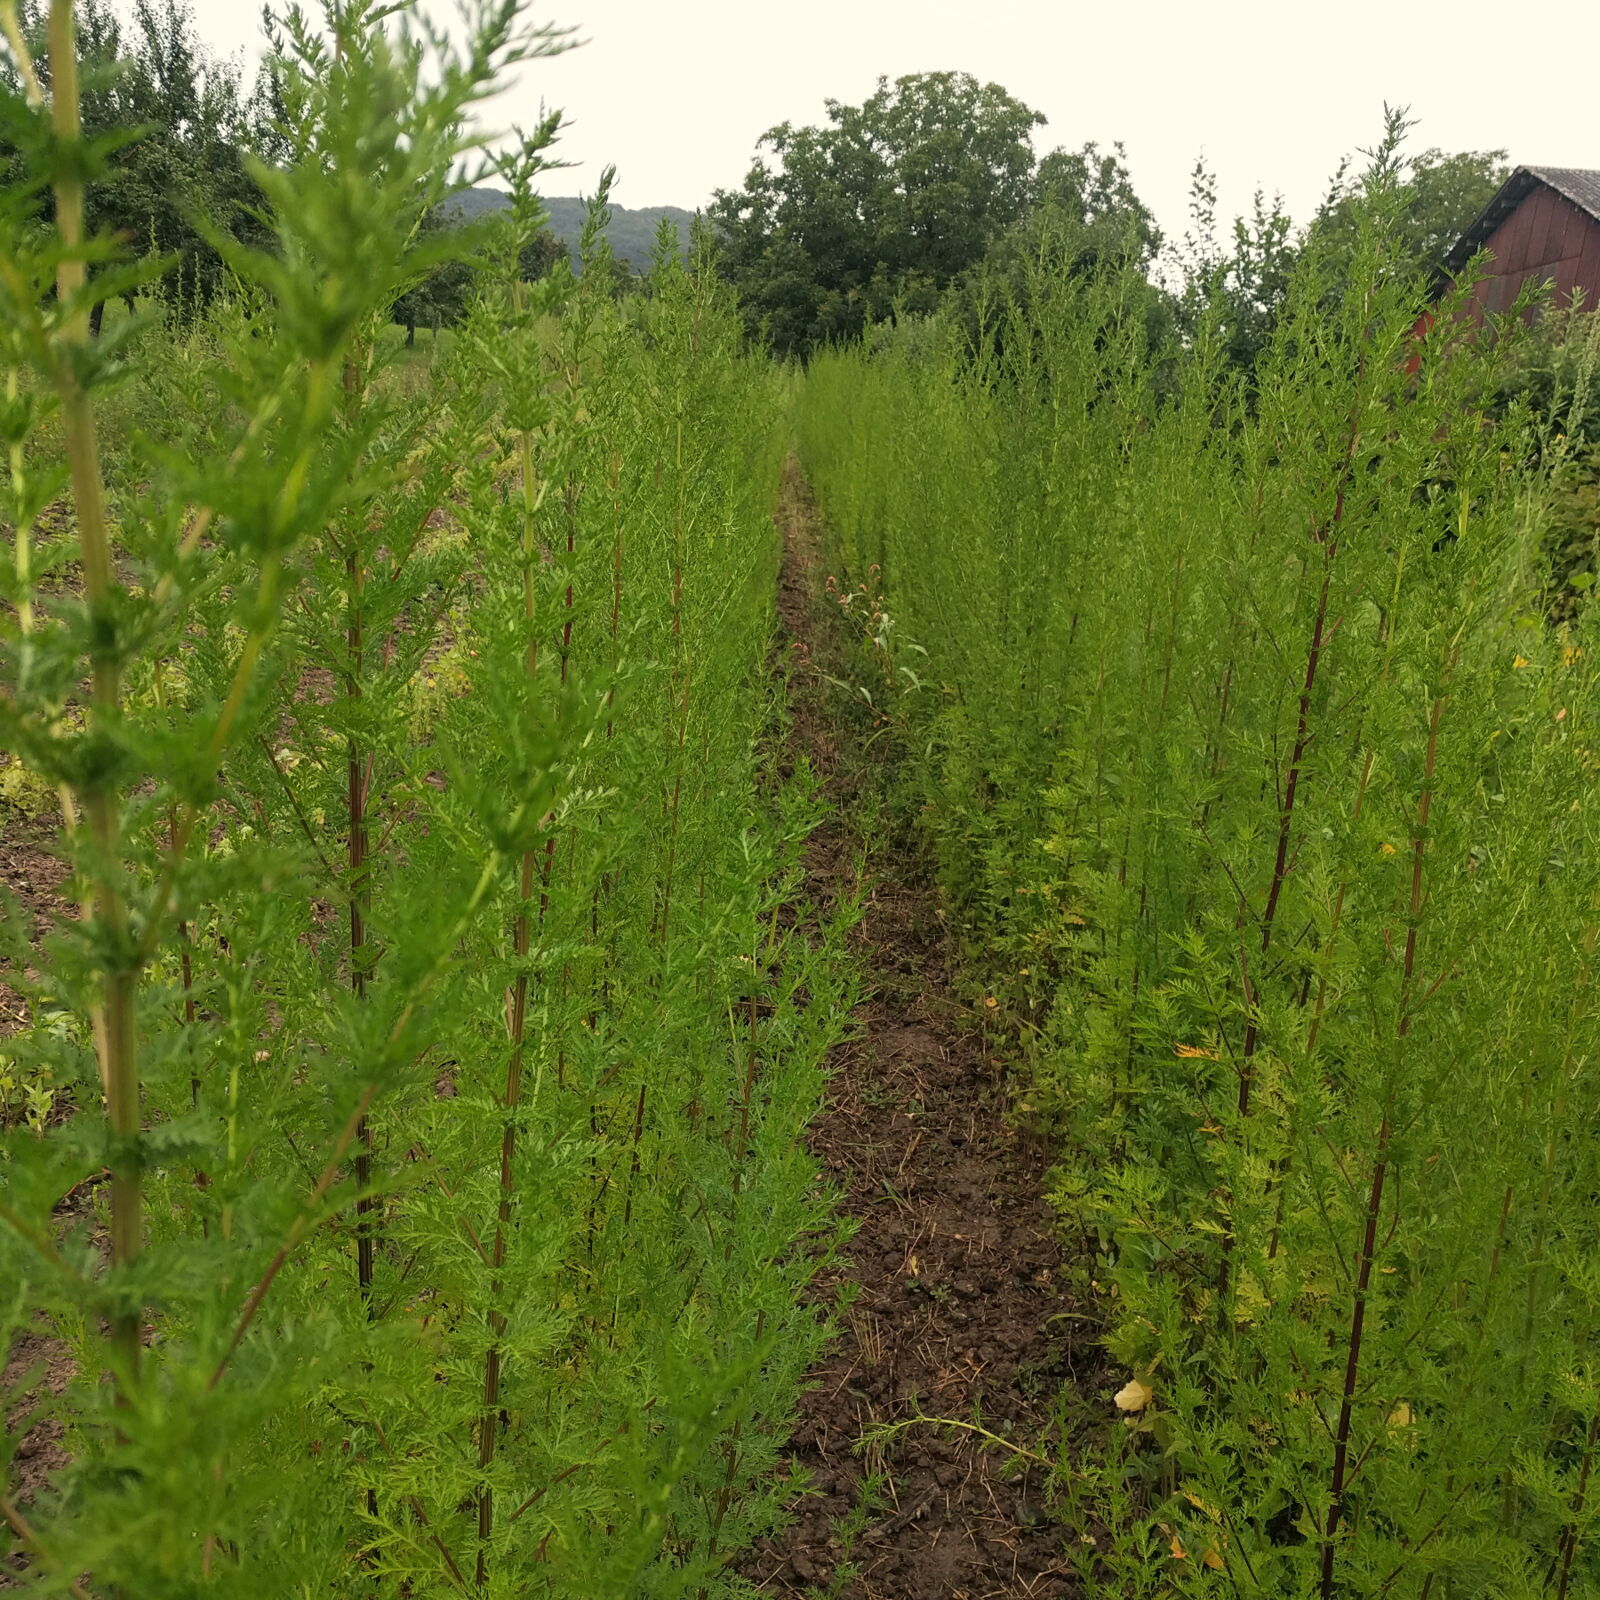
x=1546, y=237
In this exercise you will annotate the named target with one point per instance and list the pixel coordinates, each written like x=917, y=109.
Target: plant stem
x=1380, y=1164
x=12, y=1515
x=115, y=1030
x=516, y=1025
x=681, y=669
x=1568, y=1546
x=356, y=818
x=1352, y=1371
x=1281, y=1171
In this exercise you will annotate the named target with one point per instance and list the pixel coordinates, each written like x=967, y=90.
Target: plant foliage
x=1262, y=795
x=426, y=1210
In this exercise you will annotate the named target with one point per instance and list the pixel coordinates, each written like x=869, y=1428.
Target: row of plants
x=422, y=1208
x=1260, y=783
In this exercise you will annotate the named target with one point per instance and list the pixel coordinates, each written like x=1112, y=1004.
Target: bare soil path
x=955, y=1257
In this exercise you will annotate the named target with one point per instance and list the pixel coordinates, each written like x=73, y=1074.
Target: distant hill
x=632, y=230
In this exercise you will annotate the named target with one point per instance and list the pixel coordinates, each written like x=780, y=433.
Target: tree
x=540, y=254
x=186, y=170
x=1447, y=193
x=886, y=204
x=1249, y=286
x=1085, y=218
x=1091, y=189
x=1441, y=195
x=440, y=299
x=1436, y=196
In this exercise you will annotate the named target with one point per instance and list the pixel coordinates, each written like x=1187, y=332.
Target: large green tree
x=184, y=171
x=1440, y=196
x=1090, y=189
x=1084, y=217
x=885, y=204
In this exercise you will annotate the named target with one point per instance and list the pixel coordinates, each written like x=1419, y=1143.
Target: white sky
x=676, y=92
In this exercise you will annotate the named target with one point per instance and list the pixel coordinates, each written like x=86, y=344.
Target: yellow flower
x=1520, y=661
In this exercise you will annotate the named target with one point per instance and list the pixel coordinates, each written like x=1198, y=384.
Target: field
x=962, y=969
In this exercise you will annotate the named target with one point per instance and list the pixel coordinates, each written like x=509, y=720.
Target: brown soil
x=34, y=875
x=36, y=1367
x=955, y=1258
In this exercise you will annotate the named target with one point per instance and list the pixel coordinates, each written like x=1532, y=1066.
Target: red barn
x=1544, y=224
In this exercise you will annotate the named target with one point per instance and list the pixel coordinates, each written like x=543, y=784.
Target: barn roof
x=1579, y=185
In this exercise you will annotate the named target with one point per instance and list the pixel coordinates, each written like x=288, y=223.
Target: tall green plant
x=452, y=1048
x=1258, y=789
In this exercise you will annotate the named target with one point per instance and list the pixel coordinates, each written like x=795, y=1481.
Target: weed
x=1261, y=798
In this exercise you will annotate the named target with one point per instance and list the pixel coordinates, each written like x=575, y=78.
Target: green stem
x=115, y=1025
x=517, y=1024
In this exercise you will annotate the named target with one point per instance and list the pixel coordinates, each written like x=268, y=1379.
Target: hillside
x=632, y=230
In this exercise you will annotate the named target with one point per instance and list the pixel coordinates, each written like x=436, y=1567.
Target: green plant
x=865, y=1509
x=1260, y=789
x=24, y=790
x=434, y=975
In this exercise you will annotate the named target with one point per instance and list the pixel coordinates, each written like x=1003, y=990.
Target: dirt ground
x=35, y=1366
x=33, y=876
x=958, y=1270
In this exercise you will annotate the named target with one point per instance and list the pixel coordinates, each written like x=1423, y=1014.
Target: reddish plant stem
x=356, y=862
x=1327, y=537
x=489, y=1416
x=731, y=1455
x=301, y=1228
x=633, y=1160
x=11, y=1515
x=1281, y=864
x=1568, y=1546
x=1282, y=861
x=511, y=1099
x=1319, y=1009
x=1339, y=1482
x=1352, y=1371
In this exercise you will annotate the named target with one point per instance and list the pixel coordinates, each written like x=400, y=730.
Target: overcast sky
x=1273, y=94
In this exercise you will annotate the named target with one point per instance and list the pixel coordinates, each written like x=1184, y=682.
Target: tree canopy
x=1084, y=217
x=186, y=168
x=887, y=203
x=1441, y=195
